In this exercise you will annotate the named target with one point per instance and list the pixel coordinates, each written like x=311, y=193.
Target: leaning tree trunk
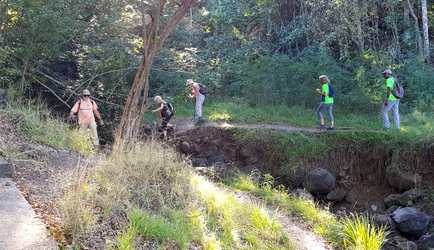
x=154, y=38
x=135, y=106
x=425, y=30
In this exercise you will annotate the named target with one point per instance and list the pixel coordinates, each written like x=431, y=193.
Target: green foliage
x=173, y=228
x=323, y=222
x=237, y=224
x=359, y=232
x=35, y=121
x=356, y=232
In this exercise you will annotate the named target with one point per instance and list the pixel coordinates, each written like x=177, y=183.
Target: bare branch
x=52, y=92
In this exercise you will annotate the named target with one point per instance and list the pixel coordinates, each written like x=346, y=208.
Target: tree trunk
x=154, y=38
x=425, y=30
x=416, y=29
x=135, y=107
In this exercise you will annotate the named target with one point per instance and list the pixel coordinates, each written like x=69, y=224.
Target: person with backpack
x=326, y=104
x=198, y=92
x=87, y=111
x=167, y=111
x=394, y=92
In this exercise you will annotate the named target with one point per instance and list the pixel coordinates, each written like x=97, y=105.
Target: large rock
x=411, y=222
x=410, y=197
x=185, y=147
x=320, y=181
x=406, y=199
x=399, y=243
x=384, y=220
x=392, y=200
x=426, y=242
x=337, y=194
x=399, y=180
x=6, y=169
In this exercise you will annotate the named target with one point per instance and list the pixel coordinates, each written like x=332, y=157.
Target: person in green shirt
x=326, y=104
x=390, y=101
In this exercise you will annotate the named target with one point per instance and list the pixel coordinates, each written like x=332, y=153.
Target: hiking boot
x=331, y=128
x=199, y=121
x=321, y=127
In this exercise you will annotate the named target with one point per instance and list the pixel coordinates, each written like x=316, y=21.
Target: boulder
x=320, y=181
x=6, y=169
x=399, y=180
x=426, y=242
x=392, y=200
x=392, y=209
x=410, y=197
x=411, y=222
x=337, y=194
x=185, y=147
x=384, y=220
x=399, y=243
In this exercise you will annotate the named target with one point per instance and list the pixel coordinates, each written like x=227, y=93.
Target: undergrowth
x=150, y=198
x=353, y=232
x=36, y=122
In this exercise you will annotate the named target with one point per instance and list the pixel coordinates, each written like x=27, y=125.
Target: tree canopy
x=259, y=52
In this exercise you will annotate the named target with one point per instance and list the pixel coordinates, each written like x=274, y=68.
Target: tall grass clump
x=36, y=122
x=359, y=232
x=128, y=188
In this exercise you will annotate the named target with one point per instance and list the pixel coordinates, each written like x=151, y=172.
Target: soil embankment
x=366, y=169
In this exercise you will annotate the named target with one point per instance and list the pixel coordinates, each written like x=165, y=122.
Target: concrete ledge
x=20, y=229
x=6, y=169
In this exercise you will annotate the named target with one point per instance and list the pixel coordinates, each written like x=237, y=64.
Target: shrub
x=360, y=233
x=35, y=121
x=149, y=177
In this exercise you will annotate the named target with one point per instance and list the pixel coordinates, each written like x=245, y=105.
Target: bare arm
x=158, y=109
x=74, y=109
x=96, y=111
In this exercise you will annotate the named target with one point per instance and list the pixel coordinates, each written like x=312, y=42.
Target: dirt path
x=183, y=125
x=299, y=233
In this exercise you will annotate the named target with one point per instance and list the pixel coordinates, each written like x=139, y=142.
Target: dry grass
x=150, y=177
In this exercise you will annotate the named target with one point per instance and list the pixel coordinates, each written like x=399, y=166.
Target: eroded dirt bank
x=368, y=170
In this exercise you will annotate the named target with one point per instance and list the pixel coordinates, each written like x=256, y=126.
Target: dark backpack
x=398, y=90
x=202, y=89
x=332, y=93
x=170, y=108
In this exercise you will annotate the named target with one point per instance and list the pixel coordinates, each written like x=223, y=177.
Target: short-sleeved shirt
x=85, y=110
x=327, y=99
x=390, y=84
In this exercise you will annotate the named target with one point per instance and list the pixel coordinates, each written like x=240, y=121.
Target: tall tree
x=416, y=28
x=155, y=31
x=425, y=30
